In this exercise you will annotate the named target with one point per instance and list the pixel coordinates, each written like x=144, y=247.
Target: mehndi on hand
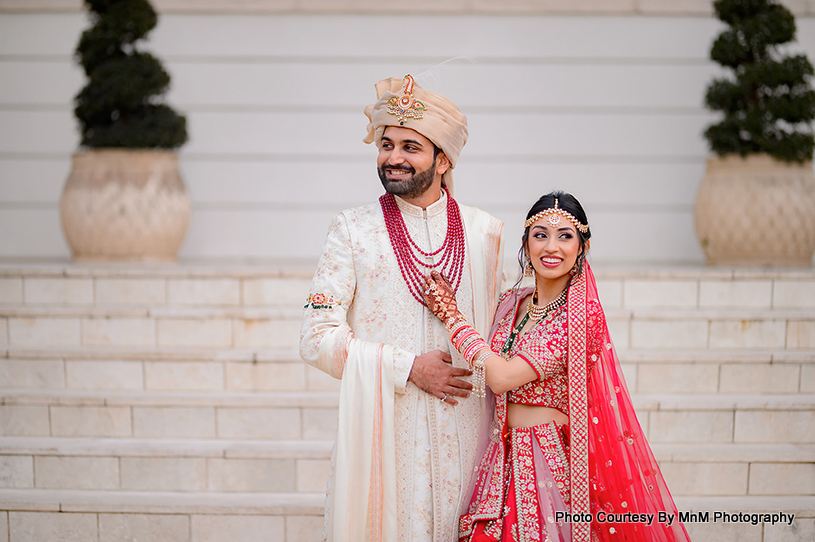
x=441, y=299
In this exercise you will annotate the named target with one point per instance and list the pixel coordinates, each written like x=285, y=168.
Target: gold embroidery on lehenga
x=552, y=444
x=578, y=407
x=526, y=497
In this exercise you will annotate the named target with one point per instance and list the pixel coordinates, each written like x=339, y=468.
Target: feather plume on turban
x=402, y=102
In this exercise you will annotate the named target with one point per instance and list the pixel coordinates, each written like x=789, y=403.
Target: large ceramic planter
x=756, y=211
x=128, y=205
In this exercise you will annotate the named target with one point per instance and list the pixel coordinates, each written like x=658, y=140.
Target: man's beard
x=415, y=186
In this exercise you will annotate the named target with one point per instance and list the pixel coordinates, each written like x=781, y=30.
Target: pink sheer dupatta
x=612, y=468
x=623, y=473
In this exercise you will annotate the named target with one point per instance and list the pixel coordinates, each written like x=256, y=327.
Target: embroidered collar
x=433, y=210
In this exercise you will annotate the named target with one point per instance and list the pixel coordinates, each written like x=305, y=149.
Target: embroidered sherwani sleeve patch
x=320, y=301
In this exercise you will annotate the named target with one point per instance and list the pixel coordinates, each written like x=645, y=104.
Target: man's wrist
x=410, y=373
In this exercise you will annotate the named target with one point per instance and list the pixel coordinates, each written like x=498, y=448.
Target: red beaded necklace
x=451, y=262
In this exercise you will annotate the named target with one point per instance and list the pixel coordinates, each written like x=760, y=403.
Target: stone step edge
x=304, y=268
x=310, y=399
x=273, y=269
x=321, y=449
x=149, y=502
x=734, y=453
x=171, y=312
x=283, y=355
x=726, y=402
x=295, y=313
x=161, y=502
x=135, y=353
x=642, y=402
x=153, y=447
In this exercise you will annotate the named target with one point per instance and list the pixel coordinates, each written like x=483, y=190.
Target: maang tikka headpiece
x=553, y=219
x=406, y=106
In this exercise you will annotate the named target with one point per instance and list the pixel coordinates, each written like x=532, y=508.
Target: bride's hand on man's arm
x=439, y=296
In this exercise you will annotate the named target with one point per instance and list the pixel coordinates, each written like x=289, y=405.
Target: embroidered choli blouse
x=544, y=347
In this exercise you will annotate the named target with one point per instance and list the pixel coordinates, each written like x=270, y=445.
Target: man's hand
x=434, y=373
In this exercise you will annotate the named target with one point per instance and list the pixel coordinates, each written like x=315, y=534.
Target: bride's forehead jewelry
x=406, y=106
x=553, y=215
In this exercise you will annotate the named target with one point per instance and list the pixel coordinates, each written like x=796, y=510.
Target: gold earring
x=529, y=271
x=578, y=265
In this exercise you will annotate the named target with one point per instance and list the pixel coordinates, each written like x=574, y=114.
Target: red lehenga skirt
x=537, y=487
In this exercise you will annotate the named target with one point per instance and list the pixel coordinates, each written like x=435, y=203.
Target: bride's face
x=553, y=249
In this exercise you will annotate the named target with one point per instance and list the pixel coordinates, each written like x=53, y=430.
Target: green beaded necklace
x=543, y=311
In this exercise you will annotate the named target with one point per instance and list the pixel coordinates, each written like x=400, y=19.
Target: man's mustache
x=404, y=167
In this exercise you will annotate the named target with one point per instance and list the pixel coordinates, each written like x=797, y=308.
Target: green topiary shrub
x=118, y=107
x=769, y=106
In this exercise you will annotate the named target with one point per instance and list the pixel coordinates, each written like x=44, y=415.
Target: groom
x=408, y=428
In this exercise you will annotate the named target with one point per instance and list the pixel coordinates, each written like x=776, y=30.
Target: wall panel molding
x=606, y=107
x=415, y=7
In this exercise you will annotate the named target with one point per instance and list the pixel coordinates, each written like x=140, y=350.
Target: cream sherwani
x=402, y=457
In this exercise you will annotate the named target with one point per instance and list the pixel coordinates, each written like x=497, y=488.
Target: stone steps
x=212, y=283
x=178, y=370
x=245, y=369
x=744, y=529
x=306, y=504
x=666, y=418
x=152, y=515
x=642, y=402
x=125, y=414
x=641, y=355
x=167, y=401
x=279, y=327
x=321, y=449
x=295, y=312
x=239, y=449
x=179, y=502
x=737, y=469
x=165, y=465
x=181, y=516
x=162, y=502
x=240, y=466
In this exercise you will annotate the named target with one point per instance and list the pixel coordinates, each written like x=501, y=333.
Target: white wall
x=609, y=108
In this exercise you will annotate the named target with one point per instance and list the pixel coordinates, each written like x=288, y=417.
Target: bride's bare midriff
x=532, y=415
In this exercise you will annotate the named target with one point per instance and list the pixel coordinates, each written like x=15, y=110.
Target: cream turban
x=401, y=102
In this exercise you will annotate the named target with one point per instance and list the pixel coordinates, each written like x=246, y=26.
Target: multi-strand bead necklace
x=451, y=261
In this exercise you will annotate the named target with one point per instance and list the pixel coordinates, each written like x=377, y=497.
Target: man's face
x=406, y=165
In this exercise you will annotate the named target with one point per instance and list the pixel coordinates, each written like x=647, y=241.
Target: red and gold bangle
x=456, y=329
x=465, y=334
x=477, y=345
x=467, y=343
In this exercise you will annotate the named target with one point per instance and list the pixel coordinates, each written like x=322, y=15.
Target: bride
x=563, y=456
